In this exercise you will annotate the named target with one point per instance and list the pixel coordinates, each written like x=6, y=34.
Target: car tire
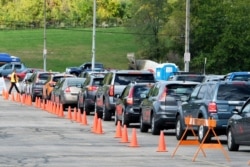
x=78, y=106
x=106, y=115
x=143, y=127
x=231, y=145
x=202, y=130
x=124, y=119
x=154, y=129
x=179, y=129
x=33, y=97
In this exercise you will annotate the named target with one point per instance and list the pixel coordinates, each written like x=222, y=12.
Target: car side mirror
x=143, y=96
x=236, y=111
x=117, y=96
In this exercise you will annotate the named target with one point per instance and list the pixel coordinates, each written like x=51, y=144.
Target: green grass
x=69, y=47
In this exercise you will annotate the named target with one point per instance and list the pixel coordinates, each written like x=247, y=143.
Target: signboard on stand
x=2, y=85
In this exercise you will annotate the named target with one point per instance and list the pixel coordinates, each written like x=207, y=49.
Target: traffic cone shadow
x=134, y=142
x=162, y=144
x=84, y=118
x=94, y=126
x=124, y=138
x=118, y=133
x=79, y=116
x=74, y=115
x=12, y=97
x=99, y=127
x=69, y=116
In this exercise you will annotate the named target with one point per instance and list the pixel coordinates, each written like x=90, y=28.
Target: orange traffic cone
x=61, y=113
x=94, y=126
x=84, y=119
x=17, y=97
x=124, y=138
x=133, y=142
x=118, y=133
x=69, y=113
x=99, y=126
x=161, y=145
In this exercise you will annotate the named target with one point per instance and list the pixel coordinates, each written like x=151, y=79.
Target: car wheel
x=33, y=97
x=86, y=109
x=143, y=127
x=124, y=120
x=106, y=115
x=231, y=145
x=202, y=130
x=154, y=129
x=179, y=129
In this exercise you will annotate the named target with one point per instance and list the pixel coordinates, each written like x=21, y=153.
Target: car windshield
x=233, y=92
x=241, y=78
x=125, y=79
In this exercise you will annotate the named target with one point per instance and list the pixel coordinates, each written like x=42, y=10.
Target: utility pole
x=187, y=29
x=44, y=38
x=93, y=35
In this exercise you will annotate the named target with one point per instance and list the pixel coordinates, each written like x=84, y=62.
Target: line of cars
x=165, y=105
x=134, y=96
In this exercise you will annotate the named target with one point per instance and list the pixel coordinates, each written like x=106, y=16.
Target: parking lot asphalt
x=33, y=137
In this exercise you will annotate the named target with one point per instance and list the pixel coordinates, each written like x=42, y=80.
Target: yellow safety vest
x=13, y=77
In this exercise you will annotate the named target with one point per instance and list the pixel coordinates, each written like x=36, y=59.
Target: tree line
x=219, y=30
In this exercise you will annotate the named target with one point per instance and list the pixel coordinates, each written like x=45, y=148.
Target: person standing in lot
x=13, y=81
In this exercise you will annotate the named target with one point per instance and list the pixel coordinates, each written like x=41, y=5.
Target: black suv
x=113, y=84
x=128, y=103
x=216, y=100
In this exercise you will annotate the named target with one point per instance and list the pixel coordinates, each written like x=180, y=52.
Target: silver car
x=24, y=83
x=66, y=91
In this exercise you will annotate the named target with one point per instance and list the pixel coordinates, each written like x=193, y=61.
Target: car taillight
x=163, y=95
x=111, y=90
x=130, y=97
x=212, y=107
x=67, y=90
x=92, y=88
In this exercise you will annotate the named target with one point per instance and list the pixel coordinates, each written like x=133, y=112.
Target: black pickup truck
x=84, y=67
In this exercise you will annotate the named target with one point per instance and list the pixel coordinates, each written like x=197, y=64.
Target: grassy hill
x=68, y=47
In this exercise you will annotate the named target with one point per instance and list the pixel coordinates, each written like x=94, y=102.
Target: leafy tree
x=220, y=31
x=147, y=22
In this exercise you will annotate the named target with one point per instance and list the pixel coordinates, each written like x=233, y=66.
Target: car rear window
x=75, y=82
x=142, y=89
x=180, y=89
x=233, y=92
x=44, y=76
x=125, y=79
x=97, y=81
x=194, y=78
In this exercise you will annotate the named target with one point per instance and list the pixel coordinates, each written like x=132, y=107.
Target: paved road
x=32, y=137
